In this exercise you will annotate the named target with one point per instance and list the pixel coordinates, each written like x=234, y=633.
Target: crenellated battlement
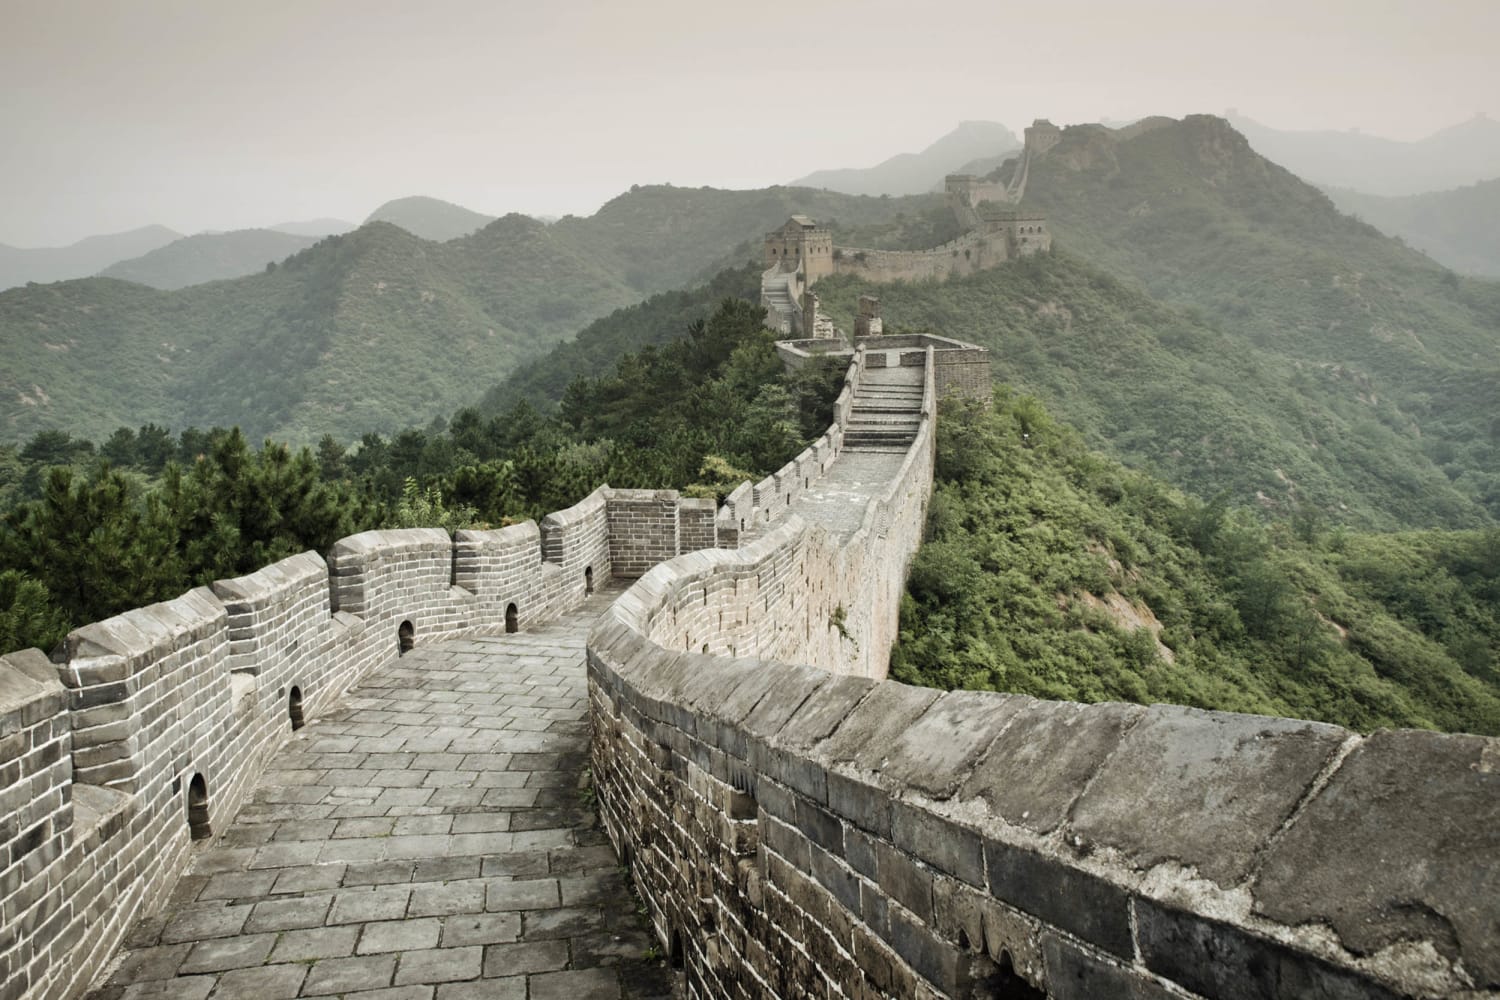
x=791, y=817
x=148, y=733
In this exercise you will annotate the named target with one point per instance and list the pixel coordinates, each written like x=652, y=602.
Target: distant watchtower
x=1042, y=135
x=801, y=244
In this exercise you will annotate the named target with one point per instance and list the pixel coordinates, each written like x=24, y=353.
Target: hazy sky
x=203, y=114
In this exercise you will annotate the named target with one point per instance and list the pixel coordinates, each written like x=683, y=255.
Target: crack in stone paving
x=430, y=840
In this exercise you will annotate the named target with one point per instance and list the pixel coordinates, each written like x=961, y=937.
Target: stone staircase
x=887, y=410
x=782, y=311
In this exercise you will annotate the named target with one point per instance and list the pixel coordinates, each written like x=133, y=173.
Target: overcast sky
x=207, y=114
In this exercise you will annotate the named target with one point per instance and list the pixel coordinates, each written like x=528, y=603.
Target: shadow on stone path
x=431, y=840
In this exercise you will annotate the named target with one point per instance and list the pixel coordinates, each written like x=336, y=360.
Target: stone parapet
x=792, y=820
x=150, y=729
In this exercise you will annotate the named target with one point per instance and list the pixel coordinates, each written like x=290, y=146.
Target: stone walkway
x=434, y=839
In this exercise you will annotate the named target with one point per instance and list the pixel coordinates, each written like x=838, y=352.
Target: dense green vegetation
x=1188, y=212
x=96, y=530
x=1052, y=571
x=376, y=330
x=1457, y=228
x=598, y=346
x=1169, y=391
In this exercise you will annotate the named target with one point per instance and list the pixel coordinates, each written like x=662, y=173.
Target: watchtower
x=801, y=244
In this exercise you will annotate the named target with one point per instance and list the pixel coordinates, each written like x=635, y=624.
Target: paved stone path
x=434, y=839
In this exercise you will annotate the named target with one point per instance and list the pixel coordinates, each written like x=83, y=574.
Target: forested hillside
x=1458, y=228
x=1189, y=212
x=378, y=330
x=1051, y=571
x=88, y=530
x=1210, y=317
x=1170, y=391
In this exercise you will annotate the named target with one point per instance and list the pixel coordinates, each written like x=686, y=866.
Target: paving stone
x=153, y=963
x=529, y=894
x=455, y=897
x=182, y=988
x=525, y=957
x=360, y=905
x=342, y=975
x=580, y=984
x=205, y=922
x=509, y=988
x=315, y=943
x=288, y=914
x=481, y=928
x=408, y=846
x=228, y=953
x=440, y=965
x=399, y=935
x=265, y=982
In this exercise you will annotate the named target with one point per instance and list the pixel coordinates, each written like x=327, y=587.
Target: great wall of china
x=993, y=230
x=795, y=824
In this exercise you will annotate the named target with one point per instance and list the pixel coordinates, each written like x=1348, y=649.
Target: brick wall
x=813, y=830
x=98, y=752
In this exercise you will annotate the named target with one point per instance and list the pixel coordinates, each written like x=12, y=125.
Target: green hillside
x=1051, y=571
x=1190, y=212
x=541, y=382
x=1456, y=228
x=1301, y=357
x=662, y=237
x=1166, y=390
x=377, y=329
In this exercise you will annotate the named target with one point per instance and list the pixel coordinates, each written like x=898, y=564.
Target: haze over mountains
x=193, y=260
x=1301, y=355
x=19, y=265
x=1451, y=157
x=430, y=218
x=971, y=143
x=374, y=330
x=1459, y=228
x=161, y=258
x=1211, y=317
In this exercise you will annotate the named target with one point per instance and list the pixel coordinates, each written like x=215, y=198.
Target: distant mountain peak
x=430, y=218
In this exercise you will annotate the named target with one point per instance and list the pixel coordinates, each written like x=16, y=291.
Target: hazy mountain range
x=162, y=258
x=917, y=173
x=19, y=265
x=377, y=329
x=1458, y=228
x=193, y=260
x=1449, y=158
x=1208, y=316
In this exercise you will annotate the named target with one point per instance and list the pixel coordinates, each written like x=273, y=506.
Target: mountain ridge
x=916, y=173
x=1451, y=157
x=193, y=260
x=20, y=265
x=374, y=330
x=430, y=218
